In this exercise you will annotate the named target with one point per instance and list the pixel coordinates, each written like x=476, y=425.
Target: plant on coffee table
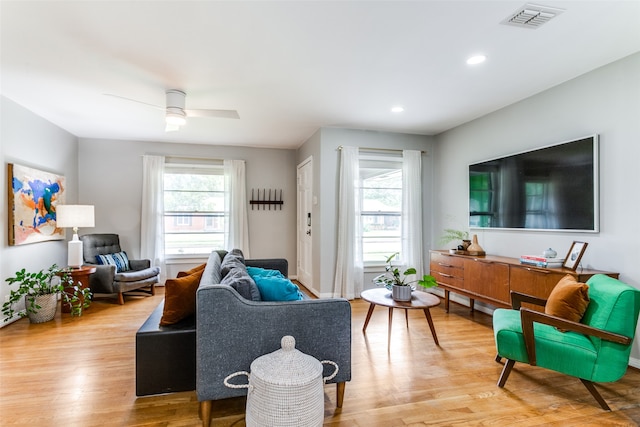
x=392, y=277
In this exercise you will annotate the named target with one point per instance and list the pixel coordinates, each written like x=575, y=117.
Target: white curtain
x=152, y=216
x=412, y=210
x=236, y=234
x=349, y=265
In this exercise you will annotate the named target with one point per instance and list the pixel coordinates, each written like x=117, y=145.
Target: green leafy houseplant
x=451, y=235
x=392, y=276
x=52, y=281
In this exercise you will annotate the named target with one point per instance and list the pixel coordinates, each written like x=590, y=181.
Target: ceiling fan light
x=175, y=117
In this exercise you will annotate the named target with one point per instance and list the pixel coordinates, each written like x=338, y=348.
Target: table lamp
x=74, y=216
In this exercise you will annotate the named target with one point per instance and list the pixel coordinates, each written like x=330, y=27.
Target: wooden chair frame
x=528, y=317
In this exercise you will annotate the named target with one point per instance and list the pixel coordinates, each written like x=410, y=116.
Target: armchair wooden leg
x=498, y=358
x=120, y=298
x=205, y=412
x=340, y=394
x=592, y=389
x=505, y=372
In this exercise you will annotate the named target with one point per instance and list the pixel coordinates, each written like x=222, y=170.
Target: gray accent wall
x=111, y=180
x=29, y=140
x=605, y=101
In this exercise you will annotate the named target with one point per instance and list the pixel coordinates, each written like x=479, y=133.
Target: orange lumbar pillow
x=180, y=298
x=569, y=299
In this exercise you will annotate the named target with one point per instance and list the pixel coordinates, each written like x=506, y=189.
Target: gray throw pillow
x=239, y=279
x=233, y=259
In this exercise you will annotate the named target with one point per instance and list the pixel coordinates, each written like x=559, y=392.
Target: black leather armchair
x=106, y=280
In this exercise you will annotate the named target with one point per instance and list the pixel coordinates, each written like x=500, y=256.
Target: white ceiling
x=291, y=67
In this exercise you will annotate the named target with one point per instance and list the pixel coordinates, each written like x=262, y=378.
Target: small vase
x=475, y=248
x=401, y=293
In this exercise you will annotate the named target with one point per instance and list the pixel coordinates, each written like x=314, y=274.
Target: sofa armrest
x=280, y=264
x=232, y=332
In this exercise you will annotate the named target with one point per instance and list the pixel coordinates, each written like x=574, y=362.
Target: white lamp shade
x=75, y=216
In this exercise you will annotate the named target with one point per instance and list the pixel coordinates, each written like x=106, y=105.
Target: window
x=193, y=209
x=381, y=208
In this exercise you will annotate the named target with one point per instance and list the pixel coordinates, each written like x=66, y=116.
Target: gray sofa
x=231, y=332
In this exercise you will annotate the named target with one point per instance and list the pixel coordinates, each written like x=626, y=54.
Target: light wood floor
x=80, y=372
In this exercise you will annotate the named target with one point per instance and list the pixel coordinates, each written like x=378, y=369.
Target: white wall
x=111, y=179
x=324, y=147
x=605, y=101
x=29, y=140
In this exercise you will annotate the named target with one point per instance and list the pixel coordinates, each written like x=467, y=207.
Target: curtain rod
x=388, y=150
x=174, y=157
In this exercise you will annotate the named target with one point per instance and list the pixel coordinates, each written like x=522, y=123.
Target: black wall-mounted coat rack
x=266, y=198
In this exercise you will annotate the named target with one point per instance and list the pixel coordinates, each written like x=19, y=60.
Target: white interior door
x=305, y=222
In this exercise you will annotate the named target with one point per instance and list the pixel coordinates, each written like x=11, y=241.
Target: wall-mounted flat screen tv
x=551, y=188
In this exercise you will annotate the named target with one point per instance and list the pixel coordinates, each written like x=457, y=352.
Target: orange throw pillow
x=569, y=299
x=193, y=270
x=180, y=298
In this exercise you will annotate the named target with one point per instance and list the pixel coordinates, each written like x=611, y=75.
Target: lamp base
x=74, y=258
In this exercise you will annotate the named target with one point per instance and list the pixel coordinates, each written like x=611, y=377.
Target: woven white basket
x=48, y=306
x=285, y=388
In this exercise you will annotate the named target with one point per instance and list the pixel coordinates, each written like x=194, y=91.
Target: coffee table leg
x=390, y=323
x=427, y=313
x=366, y=321
x=406, y=317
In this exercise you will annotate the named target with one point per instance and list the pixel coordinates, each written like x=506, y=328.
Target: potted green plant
x=398, y=283
x=40, y=291
x=452, y=235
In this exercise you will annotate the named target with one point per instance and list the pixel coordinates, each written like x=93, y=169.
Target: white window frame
x=208, y=168
x=368, y=161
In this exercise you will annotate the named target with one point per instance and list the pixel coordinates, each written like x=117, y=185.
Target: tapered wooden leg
x=205, y=412
x=427, y=314
x=389, y=332
x=366, y=321
x=498, y=358
x=446, y=300
x=505, y=372
x=406, y=317
x=120, y=298
x=592, y=389
x=340, y=394
x=153, y=289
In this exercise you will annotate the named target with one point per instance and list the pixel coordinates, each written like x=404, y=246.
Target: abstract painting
x=33, y=197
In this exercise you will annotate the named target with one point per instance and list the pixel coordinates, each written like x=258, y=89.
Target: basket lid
x=287, y=366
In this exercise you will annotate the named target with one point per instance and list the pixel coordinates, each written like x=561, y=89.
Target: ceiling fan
x=176, y=114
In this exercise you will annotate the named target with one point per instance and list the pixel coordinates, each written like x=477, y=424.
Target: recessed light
x=397, y=109
x=476, y=59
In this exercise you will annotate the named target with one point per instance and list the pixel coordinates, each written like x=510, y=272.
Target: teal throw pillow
x=273, y=288
x=263, y=272
x=119, y=259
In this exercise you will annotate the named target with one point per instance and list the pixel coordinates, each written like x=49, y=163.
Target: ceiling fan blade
x=224, y=114
x=135, y=100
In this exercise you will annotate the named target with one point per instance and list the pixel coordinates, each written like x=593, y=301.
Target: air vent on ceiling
x=532, y=16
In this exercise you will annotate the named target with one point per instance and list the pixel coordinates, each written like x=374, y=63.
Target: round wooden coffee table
x=419, y=300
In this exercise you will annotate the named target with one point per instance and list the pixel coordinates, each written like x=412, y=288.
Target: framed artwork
x=33, y=196
x=575, y=254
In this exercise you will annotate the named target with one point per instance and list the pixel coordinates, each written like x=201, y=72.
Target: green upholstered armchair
x=596, y=349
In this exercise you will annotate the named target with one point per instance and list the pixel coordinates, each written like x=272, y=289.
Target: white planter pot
x=401, y=293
